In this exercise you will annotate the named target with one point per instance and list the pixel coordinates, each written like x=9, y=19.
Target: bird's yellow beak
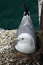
x=16, y=39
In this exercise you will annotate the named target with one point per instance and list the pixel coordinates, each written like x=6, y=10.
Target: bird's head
x=24, y=38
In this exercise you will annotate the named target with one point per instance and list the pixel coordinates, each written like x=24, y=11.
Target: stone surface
x=9, y=56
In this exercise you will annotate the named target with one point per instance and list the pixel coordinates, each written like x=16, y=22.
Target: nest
x=9, y=56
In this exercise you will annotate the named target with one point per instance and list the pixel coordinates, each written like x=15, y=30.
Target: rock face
x=9, y=56
x=41, y=18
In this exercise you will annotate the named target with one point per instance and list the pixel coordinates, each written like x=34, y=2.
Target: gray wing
x=26, y=26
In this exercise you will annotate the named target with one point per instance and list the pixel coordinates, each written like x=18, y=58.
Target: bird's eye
x=22, y=38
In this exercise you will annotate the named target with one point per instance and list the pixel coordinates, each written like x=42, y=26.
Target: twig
x=37, y=62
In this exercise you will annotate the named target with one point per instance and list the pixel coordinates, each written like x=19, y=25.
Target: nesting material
x=9, y=56
x=5, y=39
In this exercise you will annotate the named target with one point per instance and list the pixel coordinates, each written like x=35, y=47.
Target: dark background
x=11, y=12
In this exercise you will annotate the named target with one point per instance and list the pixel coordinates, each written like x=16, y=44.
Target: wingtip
x=26, y=8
